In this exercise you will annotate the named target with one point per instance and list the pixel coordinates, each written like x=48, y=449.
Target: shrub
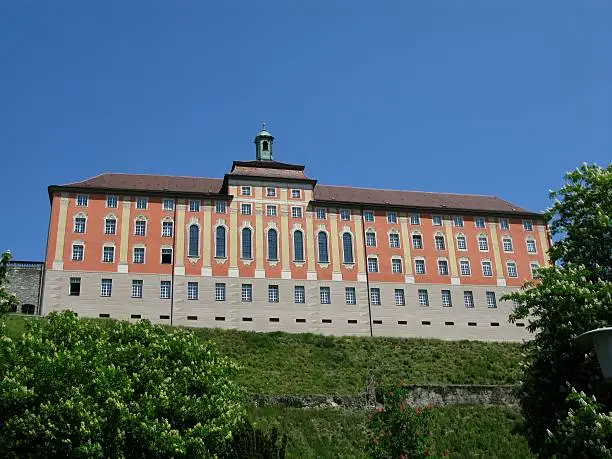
x=256, y=443
x=76, y=388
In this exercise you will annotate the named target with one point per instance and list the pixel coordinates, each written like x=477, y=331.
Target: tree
x=567, y=300
x=84, y=388
x=8, y=301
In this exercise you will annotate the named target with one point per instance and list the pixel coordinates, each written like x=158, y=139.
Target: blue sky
x=486, y=97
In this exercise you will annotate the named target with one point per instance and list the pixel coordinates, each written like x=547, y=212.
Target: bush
x=76, y=388
x=256, y=443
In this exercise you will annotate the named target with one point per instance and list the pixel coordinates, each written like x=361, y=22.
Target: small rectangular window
x=326, y=321
x=504, y=224
x=192, y=290
x=528, y=225
x=375, y=296
x=166, y=256
x=296, y=212
x=479, y=222
x=440, y=243
x=299, y=294
x=368, y=215
x=139, y=255
x=168, y=204
x=443, y=267
x=419, y=266
x=507, y=243
x=377, y=322
x=245, y=190
x=79, y=224
x=106, y=287
x=296, y=194
x=164, y=290
x=400, y=299
x=194, y=205
x=352, y=321
x=140, y=228
x=110, y=226
x=461, y=242
x=82, y=200
x=464, y=266
x=270, y=192
x=351, y=297
x=531, y=246
x=394, y=240
x=372, y=265
x=247, y=319
x=136, y=288
x=271, y=211
x=447, y=301
x=135, y=316
x=220, y=207
x=396, y=266
x=141, y=203
x=468, y=299
x=75, y=286
x=103, y=315
x=189, y=317
x=166, y=317
x=273, y=296
x=247, y=293
x=325, y=295
x=417, y=241
x=391, y=217
x=458, y=221
x=219, y=292
x=370, y=239
x=437, y=220
x=245, y=209
x=108, y=254
x=423, y=295
x=321, y=213
x=487, y=270
x=345, y=214
x=111, y=202
x=491, y=300
x=534, y=268
x=415, y=219
x=511, y=266
x=77, y=252
x=167, y=229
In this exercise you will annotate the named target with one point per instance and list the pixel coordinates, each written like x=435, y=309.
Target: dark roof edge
x=313, y=182
x=268, y=165
x=134, y=191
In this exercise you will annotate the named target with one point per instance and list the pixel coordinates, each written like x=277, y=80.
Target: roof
x=324, y=194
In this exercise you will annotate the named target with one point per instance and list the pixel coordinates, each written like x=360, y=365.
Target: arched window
x=347, y=247
x=272, y=244
x=194, y=241
x=265, y=145
x=247, y=252
x=298, y=246
x=323, y=252
x=220, y=242
x=483, y=243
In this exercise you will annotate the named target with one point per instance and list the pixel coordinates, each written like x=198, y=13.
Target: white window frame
x=533, y=244
x=345, y=214
x=528, y=225
x=296, y=193
x=165, y=225
x=504, y=224
x=370, y=238
x=440, y=270
x=321, y=213
x=246, y=293
x=447, y=298
x=271, y=210
x=394, y=240
x=396, y=266
x=110, y=249
x=504, y=239
x=458, y=221
x=514, y=269
x=194, y=205
x=463, y=238
x=220, y=292
x=420, y=238
x=137, y=288
x=419, y=262
x=161, y=255
x=273, y=294
x=391, y=217
x=372, y=264
x=415, y=218
x=296, y=212
x=136, y=231
x=368, y=216
x=486, y=273
x=350, y=295
x=112, y=228
x=423, y=297
x=375, y=296
x=245, y=190
x=483, y=243
x=400, y=297
x=82, y=200
x=165, y=289
x=491, y=299
x=220, y=207
x=480, y=222
x=139, y=202
x=143, y=255
x=82, y=246
x=112, y=199
x=193, y=289
x=299, y=294
x=435, y=219
x=270, y=192
x=468, y=299
x=168, y=204
x=80, y=217
x=325, y=295
x=462, y=264
x=534, y=265
x=246, y=208
x=437, y=238
x=106, y=288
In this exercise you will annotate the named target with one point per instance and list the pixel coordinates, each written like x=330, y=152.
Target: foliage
x=585, y=432
x=397, y=430
x=8, y=301
x=256, y=443
x=77, y=388
x=567, y=300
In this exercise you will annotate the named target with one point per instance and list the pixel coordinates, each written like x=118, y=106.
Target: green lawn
x=283, y=363
x=459, y=431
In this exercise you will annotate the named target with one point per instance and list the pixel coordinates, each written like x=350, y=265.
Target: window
x=245, y=209
x=194, y=205
x=491, y=300
x=75, y=286
x=531, y=246
x=437, y=220
x=139, y=255
x=511, y=267
x=82, y=200
x=322, y=243
x=464, y=266
x=106, y=287
x=321, y=214
x=271, y=192
x=400, y=299
x=347, y=248
x=504, y=224
x=167, y=229
x=194, y=241
x=247, y=293
x=534, y=268
x=372, y=265
x=296, y=194
x=271, y=211
x=325, y=295
x=192, y=290
x=368, y=215
x=458, y=221
x=164, y=290
x=479, y=222
x=108, y=254
x=351, y=297
x=273, y=293
x=166, y=256
x=487, y=271
x=299, y=294
x=528, y=225
x=111, y=201
x=168, y=204
x=483, y=243
x=419, y=266
x=219, y=292
x=375, y=296
x=245, y=190
x=391, y=217
x=298, y=246
x=443, y=267
x=247, y=252
x=447, y=301
x=220, y=207
x=345, y=214
x=141, y=203
x=371, y=239
x=79, y=225
x=272, y=244
x=394, y=240
x=137, y=288
x=423, y=297
x=507, y=243
x=77, y=252
x=220, y=242
x=415, y=219
x=461, y=242
x=468, y=299
x=417, y=241
x=396, y=266
x=440, y=245
x=140, y=229
x=296, y=212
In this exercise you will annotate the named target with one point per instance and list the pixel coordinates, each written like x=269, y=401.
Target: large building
x=268, y=248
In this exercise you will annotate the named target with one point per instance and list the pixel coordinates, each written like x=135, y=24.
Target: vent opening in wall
x=135, y=316
x=103, y=315
x=352, y=321
x=274, y=319
x=402, y=322
x=471, y=324
x=300, y=321
x=425, y=322
x=449, y=323
x=494, y=324
x=220, y=318
x=247, y=319
x=326, y=321
x=164, y=317
x=378, y=322
x=192, y=317
x=520, y=324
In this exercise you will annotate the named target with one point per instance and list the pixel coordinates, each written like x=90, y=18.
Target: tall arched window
x=298, y=246
x=347, y=247
x=247, y=246
x=220, y=242
x=194, y=241
x=323, y=252
x=272, y=244
x=265, y=145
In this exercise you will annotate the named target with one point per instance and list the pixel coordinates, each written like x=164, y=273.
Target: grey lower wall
x=24, y=280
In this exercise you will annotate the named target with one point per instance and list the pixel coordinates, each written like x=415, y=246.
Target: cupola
x=263, y=144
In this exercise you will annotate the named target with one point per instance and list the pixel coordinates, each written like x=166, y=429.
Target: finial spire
x=263, y=125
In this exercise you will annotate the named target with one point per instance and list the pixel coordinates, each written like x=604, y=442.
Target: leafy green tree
x=83, y=388
x=567, y=300
x=8, y=301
